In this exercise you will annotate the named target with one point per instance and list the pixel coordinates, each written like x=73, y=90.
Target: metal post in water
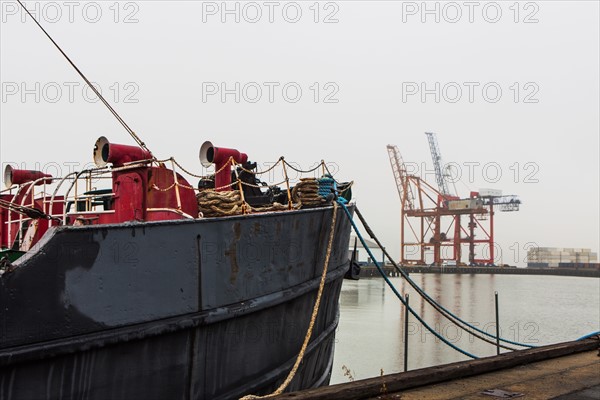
x=497, y=325
x=406, y=335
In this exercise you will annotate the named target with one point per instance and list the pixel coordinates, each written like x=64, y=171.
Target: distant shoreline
x=371, y=271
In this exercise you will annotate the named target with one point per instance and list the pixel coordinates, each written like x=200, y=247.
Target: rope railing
x=75, y=192
x=308, y=171
x=272, y=167
x=218, y=202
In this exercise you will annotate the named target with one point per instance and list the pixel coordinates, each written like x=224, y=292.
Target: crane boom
x=399, y=170
x=436, y=156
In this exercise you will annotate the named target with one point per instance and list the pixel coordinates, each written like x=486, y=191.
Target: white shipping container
x=551, y=253
x=490, y=193
x=465, y=204
x=550, y=248
x=556, y=255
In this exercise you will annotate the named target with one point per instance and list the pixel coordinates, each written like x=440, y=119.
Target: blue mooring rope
x=589, y=335
x=389, y=283
x=435, y=304
x=423, y=293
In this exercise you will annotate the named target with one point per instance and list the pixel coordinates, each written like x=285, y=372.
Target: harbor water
x=535, y=310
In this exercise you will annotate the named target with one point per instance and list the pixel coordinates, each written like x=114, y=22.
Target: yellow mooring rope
x=313, y=318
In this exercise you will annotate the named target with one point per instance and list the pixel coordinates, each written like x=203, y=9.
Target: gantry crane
x=421, y=202
x=438, y=214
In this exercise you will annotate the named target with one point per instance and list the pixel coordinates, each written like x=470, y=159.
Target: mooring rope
x=313, y=317
x=442, y=310
x=423, y=293
x=590, y=335
x=391, y=285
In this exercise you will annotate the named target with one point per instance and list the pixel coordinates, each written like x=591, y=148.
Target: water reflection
x=533, y=309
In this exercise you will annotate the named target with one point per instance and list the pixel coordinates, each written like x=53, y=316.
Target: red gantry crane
x=431, y=219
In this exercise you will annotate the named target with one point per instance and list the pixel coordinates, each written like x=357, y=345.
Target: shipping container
x=465, y=204
x=490, y=193
x=537, y=265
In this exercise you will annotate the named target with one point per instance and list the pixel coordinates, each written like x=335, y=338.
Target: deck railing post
x=497, y=325
x=406, y=314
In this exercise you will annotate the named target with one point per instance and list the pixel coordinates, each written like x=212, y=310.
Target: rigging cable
x=445, y=312
x=421, y=291
x=449, y=315
x=31, y=212
x=87, y=81
x=391, y=285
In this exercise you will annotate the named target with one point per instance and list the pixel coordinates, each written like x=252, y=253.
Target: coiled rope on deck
x=313, y=317
x=306, y=192
x=213, y=204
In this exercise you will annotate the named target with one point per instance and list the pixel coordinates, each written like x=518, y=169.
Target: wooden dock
x=564, y=371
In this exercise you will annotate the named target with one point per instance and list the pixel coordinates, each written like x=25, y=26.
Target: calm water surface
x=533, y=309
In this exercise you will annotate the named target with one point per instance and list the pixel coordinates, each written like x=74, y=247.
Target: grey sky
x=370, y=61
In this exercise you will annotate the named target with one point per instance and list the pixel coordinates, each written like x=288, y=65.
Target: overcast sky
x=510, y=88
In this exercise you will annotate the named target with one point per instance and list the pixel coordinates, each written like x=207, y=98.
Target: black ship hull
x=203, y=309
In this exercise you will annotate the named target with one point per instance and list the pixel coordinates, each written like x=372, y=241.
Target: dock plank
x=540, y=380
x=401, y=382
